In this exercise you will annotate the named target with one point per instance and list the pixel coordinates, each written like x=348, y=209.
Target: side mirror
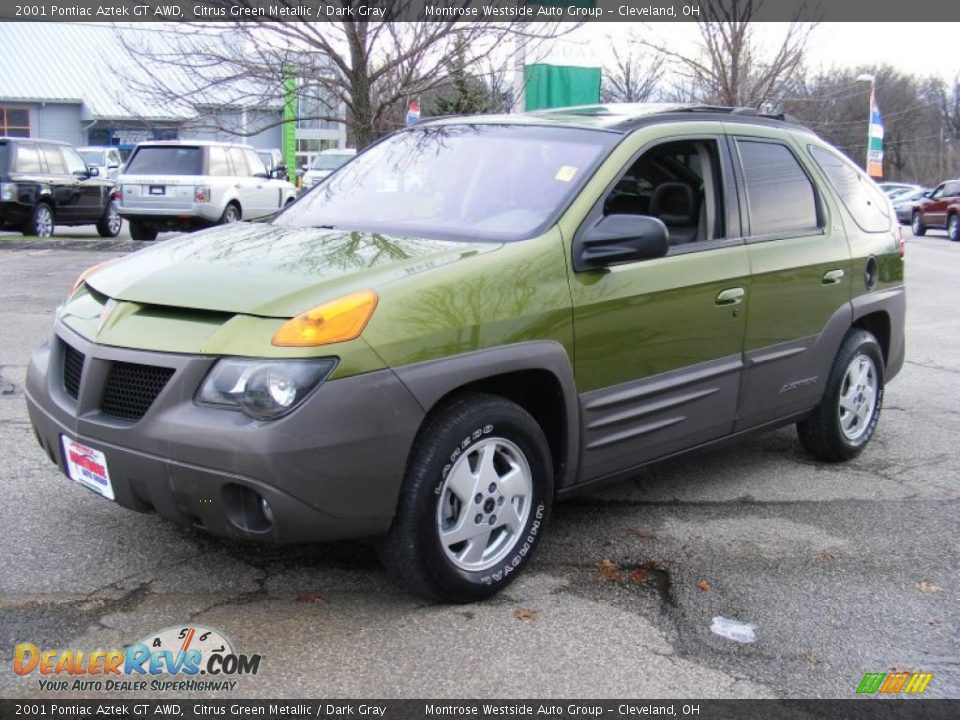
x=619, y=239
x=93, y=172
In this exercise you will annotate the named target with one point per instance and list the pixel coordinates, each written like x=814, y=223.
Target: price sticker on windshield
x=565, y=173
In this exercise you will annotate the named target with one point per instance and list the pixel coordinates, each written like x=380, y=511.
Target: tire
x=111, y=223
x=916, y=224
x=231, y=214
x=953, y=228
x=142, y=231
x=42, y=221
x=841, y=426
x=455, y=486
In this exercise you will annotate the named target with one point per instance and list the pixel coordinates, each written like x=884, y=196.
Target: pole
x=866, y=161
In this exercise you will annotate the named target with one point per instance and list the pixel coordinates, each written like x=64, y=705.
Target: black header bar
x=637, y=11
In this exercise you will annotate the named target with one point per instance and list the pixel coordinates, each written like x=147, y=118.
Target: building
x=67, y=82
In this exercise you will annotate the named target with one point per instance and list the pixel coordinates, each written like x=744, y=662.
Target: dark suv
x=44, y=183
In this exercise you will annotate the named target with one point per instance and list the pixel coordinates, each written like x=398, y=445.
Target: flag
x=875, y=140
x=413, y=113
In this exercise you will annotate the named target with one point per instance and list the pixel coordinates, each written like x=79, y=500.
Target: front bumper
x=330, y=470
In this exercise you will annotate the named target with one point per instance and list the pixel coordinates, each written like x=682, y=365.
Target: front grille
x=131, y=389
x=72, y=370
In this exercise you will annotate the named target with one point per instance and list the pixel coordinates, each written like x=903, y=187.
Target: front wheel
x=474, y=502
x=111, y=222
x=917, y=225
x=953, y=228
x=842, y=424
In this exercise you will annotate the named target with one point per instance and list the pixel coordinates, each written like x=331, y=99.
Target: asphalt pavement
x=843, y=569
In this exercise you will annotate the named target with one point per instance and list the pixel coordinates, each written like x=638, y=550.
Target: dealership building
x=68, y=82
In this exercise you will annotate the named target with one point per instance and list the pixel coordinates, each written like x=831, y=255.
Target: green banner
x=551, y=86
x=290, y=121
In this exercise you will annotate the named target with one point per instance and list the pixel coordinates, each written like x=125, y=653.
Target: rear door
x=64, y=186
x=244, y=184
x=800, y=277
x=659, y=342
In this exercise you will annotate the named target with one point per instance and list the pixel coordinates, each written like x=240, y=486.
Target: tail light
x=117, y=195
x=201, y=194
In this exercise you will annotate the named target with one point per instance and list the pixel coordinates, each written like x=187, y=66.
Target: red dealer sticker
x=87, y=466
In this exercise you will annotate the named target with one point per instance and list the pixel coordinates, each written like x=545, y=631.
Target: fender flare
x=432, y=380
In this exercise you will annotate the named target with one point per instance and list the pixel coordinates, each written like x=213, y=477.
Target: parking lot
x=844, y=569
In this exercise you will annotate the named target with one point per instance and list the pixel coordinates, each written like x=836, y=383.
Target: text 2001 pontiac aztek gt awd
x=473, y=318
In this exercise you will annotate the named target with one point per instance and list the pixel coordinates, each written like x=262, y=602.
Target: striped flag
x=875, y=140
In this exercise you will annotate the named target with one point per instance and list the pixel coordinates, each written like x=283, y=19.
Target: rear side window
x=861, y=197
x=780, y=197
x=951, y=189
x=55, y=164
x=169, y=160
x=28, y=159
x=217, y=164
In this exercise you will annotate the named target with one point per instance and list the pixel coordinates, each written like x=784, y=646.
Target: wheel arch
x=535, y=375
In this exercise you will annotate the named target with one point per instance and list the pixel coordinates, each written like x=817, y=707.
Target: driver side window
x=681, y=184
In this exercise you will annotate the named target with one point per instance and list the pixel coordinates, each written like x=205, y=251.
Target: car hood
x=269, y=270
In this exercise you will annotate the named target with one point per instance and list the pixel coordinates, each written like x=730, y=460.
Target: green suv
x=474, y=318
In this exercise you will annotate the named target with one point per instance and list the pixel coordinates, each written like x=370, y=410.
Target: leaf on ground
x=639, y=575
x=311, y=597
x=703, y=585
x=642, y=534
x=928, y=587
x=652, y=565
x=826, y=555
x=525, y=614
x=608, y=570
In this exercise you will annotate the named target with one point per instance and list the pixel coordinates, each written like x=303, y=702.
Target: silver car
x=185, y=185
x=106, y=159
x=324, y=164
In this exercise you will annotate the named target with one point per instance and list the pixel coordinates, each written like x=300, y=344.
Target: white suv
x=184, y=185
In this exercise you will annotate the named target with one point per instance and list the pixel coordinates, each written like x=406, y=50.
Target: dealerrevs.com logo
x=192, y=658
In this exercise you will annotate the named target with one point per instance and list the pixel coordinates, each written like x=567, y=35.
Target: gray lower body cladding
x=331, y=469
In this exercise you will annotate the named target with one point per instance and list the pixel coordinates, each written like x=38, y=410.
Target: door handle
x=731, y=296
x=832, y=277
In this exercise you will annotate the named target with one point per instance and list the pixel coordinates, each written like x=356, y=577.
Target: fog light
x=267, y=512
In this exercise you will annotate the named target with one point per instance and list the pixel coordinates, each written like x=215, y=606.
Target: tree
x=366, y=68
x=466, y=93
x=633, y=78
x=729, y=66
x=836, y=105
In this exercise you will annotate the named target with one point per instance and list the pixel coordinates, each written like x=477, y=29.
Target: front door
x=658, y=343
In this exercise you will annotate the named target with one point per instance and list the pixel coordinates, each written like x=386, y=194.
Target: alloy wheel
x=484, y=504
x=858, y=397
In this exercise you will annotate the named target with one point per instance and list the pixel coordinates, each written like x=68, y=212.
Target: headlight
x=8, y=192
x=263, y=389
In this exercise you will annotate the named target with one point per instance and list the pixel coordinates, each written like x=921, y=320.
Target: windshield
x=92, y=157
x=471, y=182
x=329, y=162
x=170, y=160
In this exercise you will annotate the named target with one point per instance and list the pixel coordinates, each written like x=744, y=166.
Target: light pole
x=867, y=77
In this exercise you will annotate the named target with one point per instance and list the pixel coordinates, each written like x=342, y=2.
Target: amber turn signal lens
x=336, y=321
x=87, y=273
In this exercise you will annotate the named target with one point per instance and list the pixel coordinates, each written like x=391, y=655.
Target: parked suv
x=274, y=163
x=106, y=160
x=44, y=183
x=555, y=301
x=941, y=211
x=184, y=185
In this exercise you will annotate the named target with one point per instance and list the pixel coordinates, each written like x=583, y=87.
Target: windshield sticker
x=565, y=173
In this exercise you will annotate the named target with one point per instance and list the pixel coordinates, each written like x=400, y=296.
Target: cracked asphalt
x=844, y=569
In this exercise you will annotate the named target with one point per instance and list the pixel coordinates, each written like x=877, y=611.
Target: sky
x=923, y=48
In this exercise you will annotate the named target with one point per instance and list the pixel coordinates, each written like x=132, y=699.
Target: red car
x=941, y=211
